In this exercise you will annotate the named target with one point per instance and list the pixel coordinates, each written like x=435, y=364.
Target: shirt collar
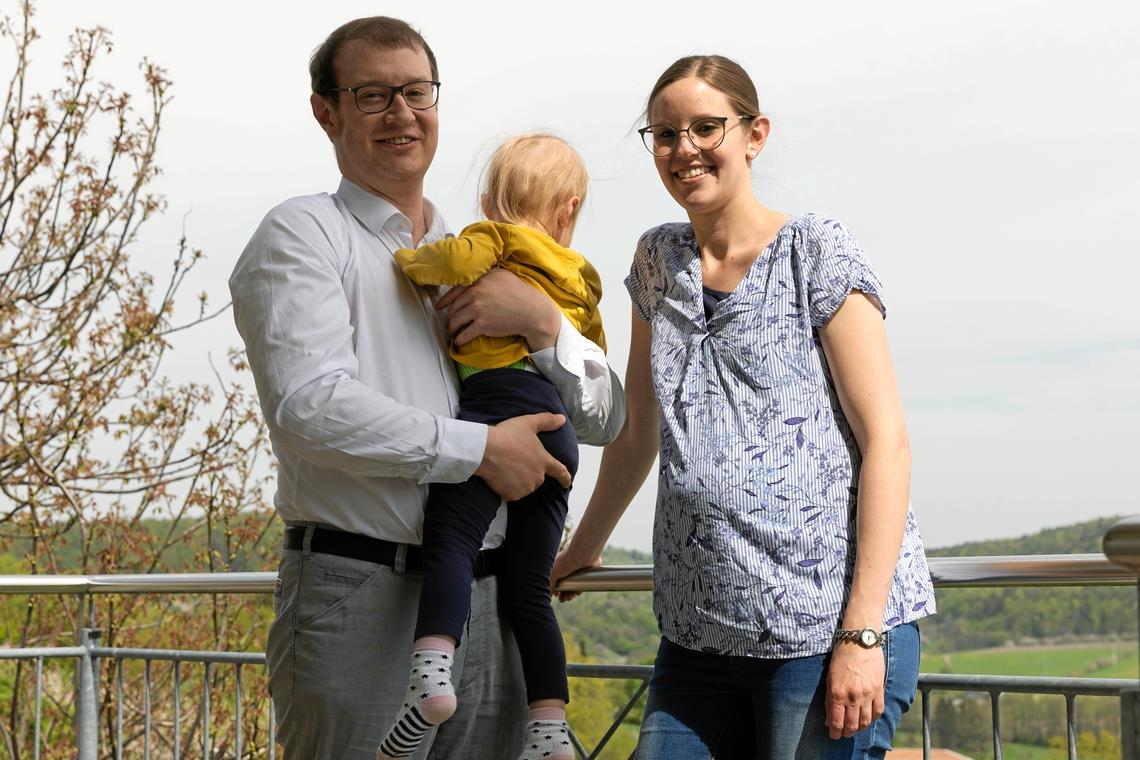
x=378, y=214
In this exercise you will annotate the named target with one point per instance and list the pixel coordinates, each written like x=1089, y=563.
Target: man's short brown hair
x=383, y=31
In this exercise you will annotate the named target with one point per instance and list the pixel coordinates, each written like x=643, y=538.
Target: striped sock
x=430, y=700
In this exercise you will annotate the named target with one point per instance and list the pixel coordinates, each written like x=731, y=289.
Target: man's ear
x=324, y=113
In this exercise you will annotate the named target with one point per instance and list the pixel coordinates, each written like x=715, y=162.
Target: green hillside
x=1078, y=538
x=991, y=617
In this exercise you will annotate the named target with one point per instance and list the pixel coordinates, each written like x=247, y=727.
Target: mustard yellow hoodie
x=563, y=274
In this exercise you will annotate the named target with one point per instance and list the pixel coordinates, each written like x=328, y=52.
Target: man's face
x=389, y=152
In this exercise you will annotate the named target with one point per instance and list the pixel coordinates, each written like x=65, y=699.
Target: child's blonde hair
x=530, y=176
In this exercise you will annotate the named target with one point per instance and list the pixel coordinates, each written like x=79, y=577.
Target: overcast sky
x=985, y=154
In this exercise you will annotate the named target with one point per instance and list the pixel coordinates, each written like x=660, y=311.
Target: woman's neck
x=737, y=231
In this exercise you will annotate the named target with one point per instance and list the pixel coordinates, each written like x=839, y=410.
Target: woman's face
x=706, y=181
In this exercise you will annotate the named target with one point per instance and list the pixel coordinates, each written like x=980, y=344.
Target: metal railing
x=947, y=572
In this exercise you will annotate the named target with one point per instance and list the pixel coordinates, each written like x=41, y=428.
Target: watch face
x=868, y=637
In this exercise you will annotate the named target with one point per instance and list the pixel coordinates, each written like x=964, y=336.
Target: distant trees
x=95, y=440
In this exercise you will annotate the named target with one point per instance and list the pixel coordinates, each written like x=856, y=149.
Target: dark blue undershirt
x=711, y=299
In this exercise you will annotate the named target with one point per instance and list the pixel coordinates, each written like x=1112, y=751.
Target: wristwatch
x=868, y=638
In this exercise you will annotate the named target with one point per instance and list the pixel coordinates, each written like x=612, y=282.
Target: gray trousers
x=338, y=657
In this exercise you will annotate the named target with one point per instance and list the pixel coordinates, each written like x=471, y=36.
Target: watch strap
x=857, y=635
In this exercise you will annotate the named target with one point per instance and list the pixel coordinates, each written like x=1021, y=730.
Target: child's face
x=489, y=210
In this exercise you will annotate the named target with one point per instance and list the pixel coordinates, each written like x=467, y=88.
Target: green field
x=1114, y=659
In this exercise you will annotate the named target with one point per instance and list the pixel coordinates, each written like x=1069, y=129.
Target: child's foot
x=547, y=740
x=430, y=700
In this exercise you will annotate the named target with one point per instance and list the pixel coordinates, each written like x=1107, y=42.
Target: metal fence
x=1021, y=571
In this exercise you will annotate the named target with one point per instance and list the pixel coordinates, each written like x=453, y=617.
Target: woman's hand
x=855, y=683
x=564, y=564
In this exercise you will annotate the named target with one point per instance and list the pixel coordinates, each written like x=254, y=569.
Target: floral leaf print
x=735, y=433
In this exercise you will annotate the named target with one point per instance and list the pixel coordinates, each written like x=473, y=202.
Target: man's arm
x=291, y=311
x=502, y=304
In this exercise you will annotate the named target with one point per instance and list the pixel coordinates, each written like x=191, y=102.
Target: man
x=358, y=392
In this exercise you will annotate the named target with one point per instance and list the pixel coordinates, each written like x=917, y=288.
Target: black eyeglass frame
x=723, y=132
x=394, y=90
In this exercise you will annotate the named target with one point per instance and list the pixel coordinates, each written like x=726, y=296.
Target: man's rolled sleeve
x=587, y=386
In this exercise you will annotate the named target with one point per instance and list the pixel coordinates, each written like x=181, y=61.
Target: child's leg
x=534, y=531
x=456, y=518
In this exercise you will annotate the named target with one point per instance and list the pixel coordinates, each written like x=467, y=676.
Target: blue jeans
x=704, y=706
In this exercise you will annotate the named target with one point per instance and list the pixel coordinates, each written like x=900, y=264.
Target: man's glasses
x=704, y=134
x=374, y=98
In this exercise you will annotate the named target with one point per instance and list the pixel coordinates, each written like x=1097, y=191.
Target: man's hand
x=855, y=683
x=501, y=304
x=515, y=463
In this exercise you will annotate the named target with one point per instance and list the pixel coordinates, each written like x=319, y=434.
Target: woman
x=788, y=568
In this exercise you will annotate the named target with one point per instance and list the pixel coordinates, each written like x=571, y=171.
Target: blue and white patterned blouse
x=754, y=537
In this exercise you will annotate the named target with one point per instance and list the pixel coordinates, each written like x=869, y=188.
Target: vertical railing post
x=1130, y=723
x=1130, y=712
x=1122, y=546
x=86, y=699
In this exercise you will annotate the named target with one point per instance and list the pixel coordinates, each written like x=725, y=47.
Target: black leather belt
x=367, y=549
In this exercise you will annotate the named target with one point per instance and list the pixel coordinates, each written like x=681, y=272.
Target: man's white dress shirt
x=351, y=367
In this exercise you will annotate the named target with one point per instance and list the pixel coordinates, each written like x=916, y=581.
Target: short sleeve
x=835, y=266
x=646, y=280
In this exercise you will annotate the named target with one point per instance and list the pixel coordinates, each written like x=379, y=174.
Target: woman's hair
x=384, y=32
x=530, y=176
x=718, y=72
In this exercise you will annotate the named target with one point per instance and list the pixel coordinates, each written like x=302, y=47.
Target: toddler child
x=534, y=188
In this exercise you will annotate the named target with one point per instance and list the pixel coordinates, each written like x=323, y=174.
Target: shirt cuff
x=565, y=360
x=461, y=449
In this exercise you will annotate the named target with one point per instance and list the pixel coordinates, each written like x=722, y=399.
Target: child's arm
x=455, y=261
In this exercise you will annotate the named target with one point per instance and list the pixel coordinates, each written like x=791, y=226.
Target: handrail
x=947, y=572
x=1122, y=544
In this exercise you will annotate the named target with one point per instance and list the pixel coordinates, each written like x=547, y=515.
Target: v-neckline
x=732, y=294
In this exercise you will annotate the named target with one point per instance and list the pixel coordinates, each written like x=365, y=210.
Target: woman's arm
x=625, y=463
x=855, y=343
